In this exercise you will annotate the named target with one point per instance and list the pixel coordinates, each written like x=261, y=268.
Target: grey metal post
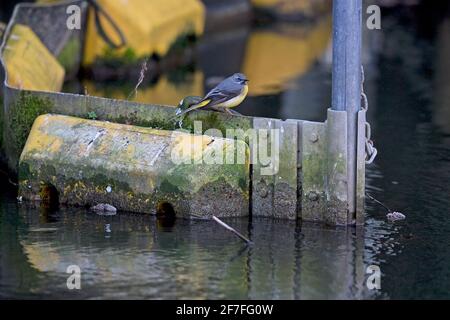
x=346, y=89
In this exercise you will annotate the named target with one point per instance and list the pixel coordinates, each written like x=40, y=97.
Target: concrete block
x=314, y=171
x=337, y=186
x=275, y=182
x=133, y=168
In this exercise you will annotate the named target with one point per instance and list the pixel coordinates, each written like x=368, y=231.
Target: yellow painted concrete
x=149, y=26
x=142, y=167
x=29, y=64
x=274, y=57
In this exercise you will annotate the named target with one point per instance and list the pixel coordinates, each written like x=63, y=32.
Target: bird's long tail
x=201, y=104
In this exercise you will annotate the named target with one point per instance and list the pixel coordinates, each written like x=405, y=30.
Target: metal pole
x=346, y=89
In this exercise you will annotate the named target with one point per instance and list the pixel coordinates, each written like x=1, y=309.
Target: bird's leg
x=215, y=109
x=228, y=111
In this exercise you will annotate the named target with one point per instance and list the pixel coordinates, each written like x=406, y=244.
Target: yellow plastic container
x=29, y=64
x=149, y=26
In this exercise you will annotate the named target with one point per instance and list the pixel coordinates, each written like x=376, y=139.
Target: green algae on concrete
x=103, y=109
x=132, y=168
x=274, y=174
x=21, y=116
x=337, y=186
x=314, y=171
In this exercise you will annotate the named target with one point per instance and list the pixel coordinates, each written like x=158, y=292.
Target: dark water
x=134, y=256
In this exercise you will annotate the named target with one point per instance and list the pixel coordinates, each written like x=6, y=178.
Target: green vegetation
x=113, y=57
x=68, y=57
x=183, y=41
x=22, y=115
x=91, y=115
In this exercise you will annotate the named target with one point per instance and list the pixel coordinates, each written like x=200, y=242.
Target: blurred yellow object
x=163, y=92
x=149, y=26
x=29, y=64
x=272, y=58
x=305, y=7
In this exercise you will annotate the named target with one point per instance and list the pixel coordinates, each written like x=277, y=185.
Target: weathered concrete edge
x=50, y=159
x=275, y=184
x=16, y=102
x=361, y=168
x=337, y=191
x=314, y=171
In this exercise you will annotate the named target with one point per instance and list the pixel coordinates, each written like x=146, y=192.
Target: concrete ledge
x=274, y=192
x=133, y=168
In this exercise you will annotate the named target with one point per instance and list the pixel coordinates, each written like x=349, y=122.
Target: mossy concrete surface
x=22, y=107
x=361, y=168
x=337, y=186
x=314, y=172
x=133, y=168
x=18, y=118
x=274, y=189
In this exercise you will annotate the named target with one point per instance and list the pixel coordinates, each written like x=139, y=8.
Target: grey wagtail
x=228, y=94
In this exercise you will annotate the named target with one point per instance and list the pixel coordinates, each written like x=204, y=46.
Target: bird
x=189, y=101
x=228, y=94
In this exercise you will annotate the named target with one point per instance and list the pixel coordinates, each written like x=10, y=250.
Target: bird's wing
x=221, y=93
x=210, y=102
x=224, y=91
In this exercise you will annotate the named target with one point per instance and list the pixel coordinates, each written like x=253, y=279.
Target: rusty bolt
x=314, y=137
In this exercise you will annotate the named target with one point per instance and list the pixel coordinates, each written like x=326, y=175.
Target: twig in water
x=391, y=215
x=223, y=224
x=141, y=78
x=379, y=202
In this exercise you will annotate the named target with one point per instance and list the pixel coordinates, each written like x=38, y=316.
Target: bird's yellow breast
x=236, y=100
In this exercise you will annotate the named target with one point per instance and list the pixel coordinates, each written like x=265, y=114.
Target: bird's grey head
x=239, y=78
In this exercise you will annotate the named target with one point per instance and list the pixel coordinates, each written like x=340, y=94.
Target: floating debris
x=43, y=229
x=395, y=216
x=391, y=215
x=104, y=208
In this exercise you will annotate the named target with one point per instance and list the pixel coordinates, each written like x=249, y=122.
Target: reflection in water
x=273, y=58
x=441, y=110
x=134, y=257
x=276, y=56
x=167, y=90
